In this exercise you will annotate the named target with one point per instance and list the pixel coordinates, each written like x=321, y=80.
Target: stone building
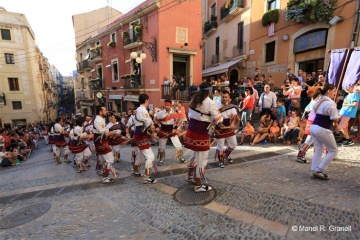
x=23, y=72
x=87, y=25
x=226, y=38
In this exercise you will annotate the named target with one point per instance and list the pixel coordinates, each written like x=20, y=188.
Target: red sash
x=165, y=134
x=76, y=147
x=101, y=145
x=142, y=141
x=115, y=140
x=60, y=141
x=224, y=133
x=197, y=141
x=51, y=139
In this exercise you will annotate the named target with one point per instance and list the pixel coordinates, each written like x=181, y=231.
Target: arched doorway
x=234, y=75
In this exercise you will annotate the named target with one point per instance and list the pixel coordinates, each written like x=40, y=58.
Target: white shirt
x=110, y=124
x=58, y=129
x=90, y=127
x=1, y=156
x=142, y=115
x=327, y=108
x=77, y=132
x=208, y=106
x=100, y=126
x=229, y=113
x=163, y=114
x=131, y=123
x=267, y=100
x=2, y=141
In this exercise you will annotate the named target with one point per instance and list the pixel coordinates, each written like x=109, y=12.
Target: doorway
x=233, y=77
x=181, y=65
x=312, y=65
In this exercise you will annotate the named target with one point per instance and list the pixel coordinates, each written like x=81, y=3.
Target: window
x=81, y=57
x=271, y=4
x=98, y=43
x=113, y=37
x=213, y=10
x=16, y=105
x=13, y=84
x=240, y=40
x=9, y=58
x=5, y=34
x=115, y=71
x=270, y=52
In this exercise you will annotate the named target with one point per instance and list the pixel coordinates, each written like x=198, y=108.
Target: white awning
x=115, y=96
x=131, y=98
x=221, y=68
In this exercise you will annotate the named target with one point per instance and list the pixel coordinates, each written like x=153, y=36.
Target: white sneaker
x=203, y=188
x=108, y=180
x=150, y=180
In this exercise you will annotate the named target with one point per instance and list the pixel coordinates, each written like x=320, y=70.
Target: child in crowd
x=286, y=121
x=301, y=131
x=281, y=112
x=292, y=127
x=348, y=111
x=248, y=131
x=274, y=131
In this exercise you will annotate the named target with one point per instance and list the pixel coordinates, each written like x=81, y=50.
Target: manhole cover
x=187, y=196
x=24, y=215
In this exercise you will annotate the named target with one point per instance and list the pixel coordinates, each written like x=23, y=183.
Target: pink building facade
x=169, y=33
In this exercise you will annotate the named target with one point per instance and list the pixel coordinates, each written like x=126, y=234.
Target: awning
x=115, y=96
x=131, y=98
x=221, y=68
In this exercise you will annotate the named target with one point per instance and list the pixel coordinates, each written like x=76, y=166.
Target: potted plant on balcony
x=138, y=31
x=310, y=11
x=111, y=44
x=126, y=38
x=207, y=27
x=269, y=17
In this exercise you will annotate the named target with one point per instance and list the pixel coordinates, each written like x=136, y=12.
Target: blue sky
x=52, y=23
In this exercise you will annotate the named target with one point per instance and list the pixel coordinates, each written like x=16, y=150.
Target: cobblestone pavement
x=264, y=194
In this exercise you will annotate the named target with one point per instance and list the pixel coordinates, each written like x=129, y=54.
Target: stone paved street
x=264, y=194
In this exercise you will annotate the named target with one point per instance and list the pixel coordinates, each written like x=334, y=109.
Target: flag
x=271, y=29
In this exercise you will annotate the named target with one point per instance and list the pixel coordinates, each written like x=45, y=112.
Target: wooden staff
x=348, y=51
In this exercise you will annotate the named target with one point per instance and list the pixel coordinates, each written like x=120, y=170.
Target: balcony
x=132, y=39
x=177, y=94
x=133, y=81
x=239, y=50
x=234, y=9
x=215, y=59
x=95, y=54
x=210, y=26
x=96, y=84
x=84, y=66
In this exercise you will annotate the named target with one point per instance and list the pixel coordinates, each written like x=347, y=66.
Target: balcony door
x=181, y=66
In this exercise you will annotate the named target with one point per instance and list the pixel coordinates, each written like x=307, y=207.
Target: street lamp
x=138, y=58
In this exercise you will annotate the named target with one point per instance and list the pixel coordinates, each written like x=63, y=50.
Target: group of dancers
x=90, y=137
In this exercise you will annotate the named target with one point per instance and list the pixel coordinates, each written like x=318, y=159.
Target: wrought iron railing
x=174, y=93
x=131, y=36
x=232, y=7
x=215, y=59
x=239, y=49
x=84, y=65
x=133, y=81
x=212, y=23
x=95, y=53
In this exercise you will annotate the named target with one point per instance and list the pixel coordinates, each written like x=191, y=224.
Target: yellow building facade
x=21, y=85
